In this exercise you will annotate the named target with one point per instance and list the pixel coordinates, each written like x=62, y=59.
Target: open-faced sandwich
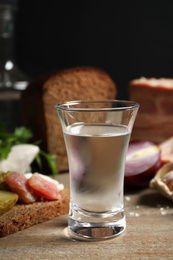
x=28, y=199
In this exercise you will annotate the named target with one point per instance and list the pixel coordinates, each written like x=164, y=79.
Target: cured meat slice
x=18, y=184
x=44, y=187
x=154, y=121
x=167, y=150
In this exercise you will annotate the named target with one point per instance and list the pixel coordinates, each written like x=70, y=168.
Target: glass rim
x=70, y=105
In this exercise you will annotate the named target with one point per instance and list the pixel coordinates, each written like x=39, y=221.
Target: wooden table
x=149, y=234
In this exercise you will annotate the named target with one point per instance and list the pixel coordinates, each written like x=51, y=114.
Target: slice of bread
x=39, y=99
x=22, y=216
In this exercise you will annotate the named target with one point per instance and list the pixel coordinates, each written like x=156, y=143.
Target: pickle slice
x=3, y=184
x=7, y=201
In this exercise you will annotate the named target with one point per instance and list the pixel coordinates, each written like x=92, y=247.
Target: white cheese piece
x=20, y=158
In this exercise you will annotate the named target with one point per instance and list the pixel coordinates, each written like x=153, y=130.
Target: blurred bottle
x=12, y=80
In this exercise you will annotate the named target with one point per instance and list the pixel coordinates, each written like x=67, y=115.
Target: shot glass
x=96, y=135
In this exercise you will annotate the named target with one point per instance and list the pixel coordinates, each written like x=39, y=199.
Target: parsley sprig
x=22, y=135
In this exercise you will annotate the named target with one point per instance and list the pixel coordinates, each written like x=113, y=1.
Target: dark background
x=127, y=39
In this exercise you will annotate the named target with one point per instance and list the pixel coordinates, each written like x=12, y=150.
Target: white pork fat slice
x=20, y=158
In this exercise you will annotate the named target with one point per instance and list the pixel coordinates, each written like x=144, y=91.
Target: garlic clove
x=163, y=180
x=168, y=180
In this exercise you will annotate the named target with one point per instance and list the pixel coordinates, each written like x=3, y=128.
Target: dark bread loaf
x=22, y=216
x=39, y=99
x=154, y=121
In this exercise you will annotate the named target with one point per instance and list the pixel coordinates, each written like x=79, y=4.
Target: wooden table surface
x=149, y=234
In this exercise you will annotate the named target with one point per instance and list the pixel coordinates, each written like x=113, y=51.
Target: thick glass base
x=95, y=226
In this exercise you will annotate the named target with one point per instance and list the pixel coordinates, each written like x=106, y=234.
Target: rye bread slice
x=23, y=216
x=39, y=99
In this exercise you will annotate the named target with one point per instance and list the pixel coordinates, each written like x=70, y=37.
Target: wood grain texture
x=148, y=235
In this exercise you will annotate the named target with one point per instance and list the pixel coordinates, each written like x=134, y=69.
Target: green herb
x=50, y=159
x=22, y=135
